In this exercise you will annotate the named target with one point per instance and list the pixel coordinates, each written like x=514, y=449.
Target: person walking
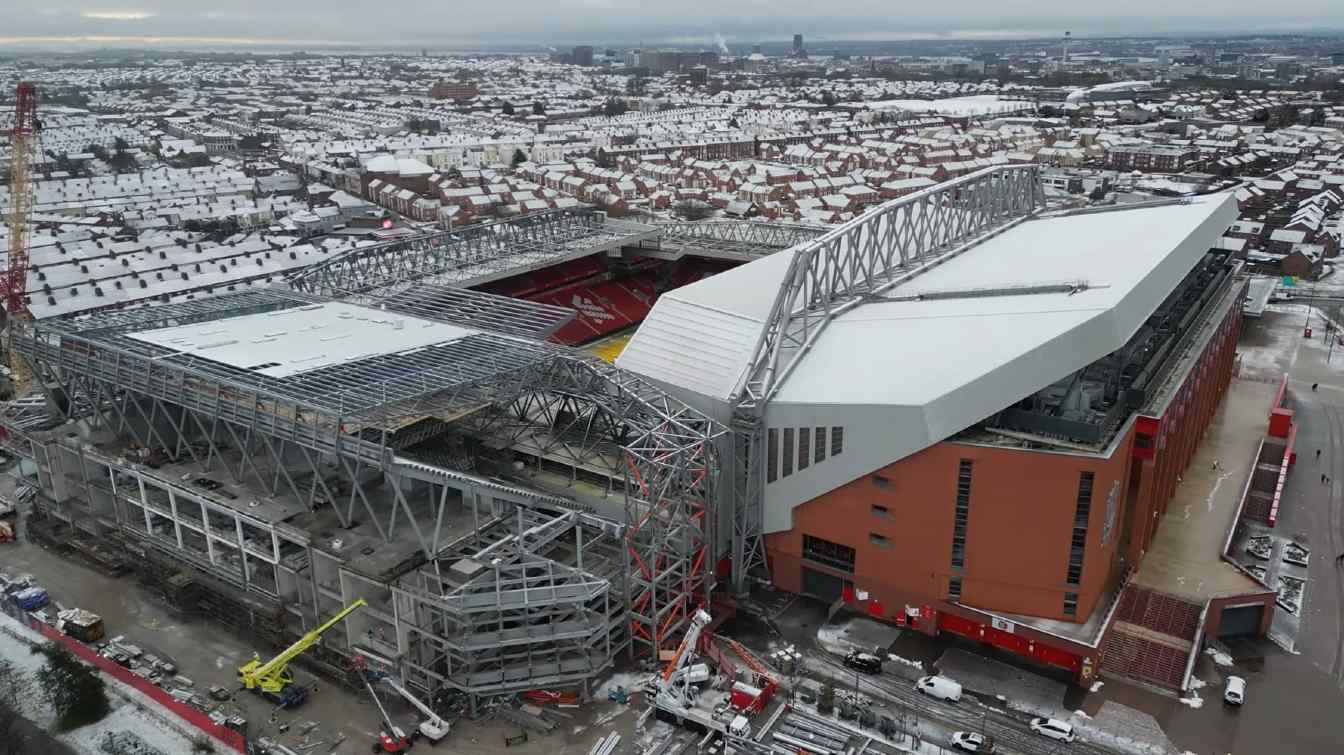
x=1314, y=386
x=1318, y=454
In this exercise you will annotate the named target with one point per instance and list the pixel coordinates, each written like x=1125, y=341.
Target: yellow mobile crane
x=273, y=679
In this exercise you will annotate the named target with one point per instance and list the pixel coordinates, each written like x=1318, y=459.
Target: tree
x=826, y=699
x=537, y=109
x=518, y=157
x=828, y=98
x=693, y=209
x=507, y=109
x=76, y=692
x=613, y=107
x=120, y=144
x=15, y=686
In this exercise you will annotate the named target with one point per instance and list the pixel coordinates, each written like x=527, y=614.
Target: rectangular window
x=878, y=540
x=954, y=588
x=1070, y=604
x=837, y=440
x=881, y=482
x=819, y=443
x=827, y=553
x=788, y=452
x=771, y=455
x=1081, y=515
x=804, y=448
x=879, y=510
x=961, y=517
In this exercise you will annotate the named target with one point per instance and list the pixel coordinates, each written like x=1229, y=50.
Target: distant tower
x=797, y=44
x=1068, y=38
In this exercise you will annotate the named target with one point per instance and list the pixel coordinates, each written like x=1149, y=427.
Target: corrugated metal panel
x=695, y=347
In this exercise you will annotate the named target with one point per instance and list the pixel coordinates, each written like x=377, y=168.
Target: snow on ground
x=1124, y=729
x=1194, y=700
x=1096, y=686
x=131, y=711
x=898, y=659
x=631, y=681
x=1197, y=683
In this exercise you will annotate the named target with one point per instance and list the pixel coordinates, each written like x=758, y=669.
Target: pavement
x=1293, y=700
x=1185, y=558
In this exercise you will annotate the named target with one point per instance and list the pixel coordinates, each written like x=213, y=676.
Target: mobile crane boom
x=433, y=727
x=273, y=679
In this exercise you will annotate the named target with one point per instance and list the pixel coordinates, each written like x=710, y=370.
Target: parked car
x=1234, y=691
x=1053, y=728
x=940, y=687
x=971, y=741
x=865, y=662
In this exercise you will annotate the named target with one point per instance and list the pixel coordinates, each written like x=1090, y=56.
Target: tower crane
x=14, y=278
x=273, y=680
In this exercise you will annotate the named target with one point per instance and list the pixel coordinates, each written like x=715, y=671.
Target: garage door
x=822, y=586
x=1241, y=621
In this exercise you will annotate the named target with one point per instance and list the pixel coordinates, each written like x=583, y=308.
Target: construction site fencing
x=197, y=719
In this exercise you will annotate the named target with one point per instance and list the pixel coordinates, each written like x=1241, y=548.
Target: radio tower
x=14, y=279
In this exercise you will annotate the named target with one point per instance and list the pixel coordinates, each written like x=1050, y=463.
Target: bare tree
x=693, y=209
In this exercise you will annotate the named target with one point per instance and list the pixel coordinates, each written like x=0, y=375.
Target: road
x=1011, y=732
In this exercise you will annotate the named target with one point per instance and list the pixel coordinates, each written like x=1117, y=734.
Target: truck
x=31, y=598
x=678, y=699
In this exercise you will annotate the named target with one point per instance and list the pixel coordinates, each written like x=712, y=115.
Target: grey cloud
x=454, y=23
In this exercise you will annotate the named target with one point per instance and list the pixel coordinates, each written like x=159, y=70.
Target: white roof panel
x=293, y=341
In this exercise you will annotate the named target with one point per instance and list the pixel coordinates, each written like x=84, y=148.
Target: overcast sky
x=445, y=24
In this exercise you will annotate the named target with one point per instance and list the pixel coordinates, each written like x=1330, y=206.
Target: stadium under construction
x=406, y=423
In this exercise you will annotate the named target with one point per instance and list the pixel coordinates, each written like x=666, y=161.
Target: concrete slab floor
x=1185, y=558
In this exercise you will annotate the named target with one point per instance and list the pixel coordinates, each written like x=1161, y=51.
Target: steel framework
x=543, y=400
x=741, y=240
x=471, y=255
x=860, y=260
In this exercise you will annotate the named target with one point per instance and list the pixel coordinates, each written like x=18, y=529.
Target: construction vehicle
x=273, y=680
x=391, y=738
x=14, y=279
x=677, y=696
x=434, y=727
x=84, y=626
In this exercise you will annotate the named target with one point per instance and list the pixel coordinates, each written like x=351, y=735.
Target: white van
x=1234, y=691
x=940, y=687
x=1053, y=728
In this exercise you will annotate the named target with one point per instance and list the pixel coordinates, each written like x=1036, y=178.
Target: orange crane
x=14, y=278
